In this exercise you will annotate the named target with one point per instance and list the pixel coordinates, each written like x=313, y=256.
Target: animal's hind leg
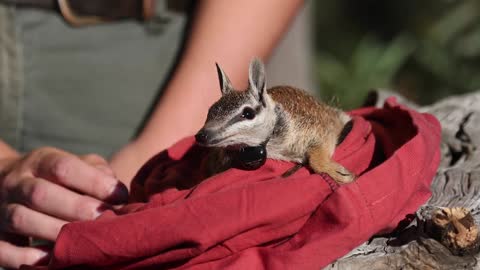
x=319, y=159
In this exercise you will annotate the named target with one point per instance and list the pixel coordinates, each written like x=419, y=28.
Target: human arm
x=228, y=32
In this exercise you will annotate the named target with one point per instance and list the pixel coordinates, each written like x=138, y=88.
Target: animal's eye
x=248, y=113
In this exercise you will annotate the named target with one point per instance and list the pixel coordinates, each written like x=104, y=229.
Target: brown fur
x=313, y=115
x=313, y=130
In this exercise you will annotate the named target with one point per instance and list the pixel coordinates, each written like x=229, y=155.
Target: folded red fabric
x=256, y=219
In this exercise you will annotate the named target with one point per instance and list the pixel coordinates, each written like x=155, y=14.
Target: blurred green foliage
x=426, y=50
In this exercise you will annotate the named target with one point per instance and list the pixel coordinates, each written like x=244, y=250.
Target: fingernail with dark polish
x=102, y=208
x=119, y=194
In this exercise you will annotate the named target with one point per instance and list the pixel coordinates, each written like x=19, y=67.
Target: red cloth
x=255, y=219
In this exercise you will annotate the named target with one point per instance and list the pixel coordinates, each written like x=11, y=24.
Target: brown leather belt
x=87, y=12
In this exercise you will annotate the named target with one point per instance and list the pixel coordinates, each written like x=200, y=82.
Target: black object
x=250, y=157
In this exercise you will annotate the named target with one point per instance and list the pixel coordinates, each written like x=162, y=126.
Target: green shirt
x=80, y=89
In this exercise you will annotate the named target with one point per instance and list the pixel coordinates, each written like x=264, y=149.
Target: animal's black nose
x=202, y=136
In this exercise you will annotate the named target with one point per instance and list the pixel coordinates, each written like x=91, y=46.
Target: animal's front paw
x=342, y=175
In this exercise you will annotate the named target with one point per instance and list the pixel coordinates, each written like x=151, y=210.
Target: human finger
x=57, y=201
x=12, y=256
x=18, y=219
x=98, y=162
x=71, y=172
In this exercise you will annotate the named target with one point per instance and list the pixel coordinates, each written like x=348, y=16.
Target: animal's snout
x=203, y=136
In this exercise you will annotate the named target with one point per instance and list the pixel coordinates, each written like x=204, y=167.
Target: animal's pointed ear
x=225, y=84
x=256, y=79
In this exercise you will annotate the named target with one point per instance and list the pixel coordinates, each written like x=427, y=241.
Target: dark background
x=426, y=50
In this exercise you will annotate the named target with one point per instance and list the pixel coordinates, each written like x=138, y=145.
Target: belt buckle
x=75, y=19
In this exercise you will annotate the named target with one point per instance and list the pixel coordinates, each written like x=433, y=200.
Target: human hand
x=45, y=189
